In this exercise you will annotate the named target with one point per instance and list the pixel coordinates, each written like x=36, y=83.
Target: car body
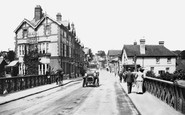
x=91, y=76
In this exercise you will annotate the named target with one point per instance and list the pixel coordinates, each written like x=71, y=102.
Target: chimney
x=73, y=29
x=142, y=46
x=59, y=17
x=161, y=43
x=135, y=43
x=38, y=13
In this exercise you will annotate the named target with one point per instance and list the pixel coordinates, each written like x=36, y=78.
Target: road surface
x=73, y=99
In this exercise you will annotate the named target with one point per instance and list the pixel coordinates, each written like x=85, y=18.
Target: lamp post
x=135, y=58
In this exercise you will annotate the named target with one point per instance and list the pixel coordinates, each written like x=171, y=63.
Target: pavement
x=147, y=104
x=32, y=91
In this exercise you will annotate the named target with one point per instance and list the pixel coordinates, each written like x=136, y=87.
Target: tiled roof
x=36, y=24
x=150, y=50
x=114, y=52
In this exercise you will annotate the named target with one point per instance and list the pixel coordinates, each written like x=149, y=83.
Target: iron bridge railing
x=14, y=84
x=172, y=93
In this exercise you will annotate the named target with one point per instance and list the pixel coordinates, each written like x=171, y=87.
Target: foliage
x=183, y=54
x=31, y=61
x=9, y=56
x=150, y=74
x=177, y=75
x=101, y=53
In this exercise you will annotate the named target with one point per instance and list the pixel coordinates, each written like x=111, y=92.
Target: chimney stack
x=38, y=13
x=161, y=43
x=142, y=46
x=135, y=43
x=59, y=17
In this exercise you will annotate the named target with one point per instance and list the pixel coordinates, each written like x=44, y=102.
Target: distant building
x=55, y=40
x=156, y=58
x=113, y=60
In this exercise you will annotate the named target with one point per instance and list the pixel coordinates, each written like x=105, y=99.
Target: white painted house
x=156, y=58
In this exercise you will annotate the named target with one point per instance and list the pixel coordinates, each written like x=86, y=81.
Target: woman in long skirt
x=139, y=81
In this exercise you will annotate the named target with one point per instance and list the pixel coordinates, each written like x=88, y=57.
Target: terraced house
x=156, y=58
x=55, y=40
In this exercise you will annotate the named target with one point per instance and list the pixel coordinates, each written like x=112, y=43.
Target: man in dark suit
x=129, y=77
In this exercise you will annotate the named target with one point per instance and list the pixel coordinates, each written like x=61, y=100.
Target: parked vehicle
x=91, y=77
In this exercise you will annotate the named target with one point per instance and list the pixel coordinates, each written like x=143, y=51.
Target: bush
x=150, y=74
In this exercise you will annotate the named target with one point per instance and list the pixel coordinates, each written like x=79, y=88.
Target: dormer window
x=25, y=33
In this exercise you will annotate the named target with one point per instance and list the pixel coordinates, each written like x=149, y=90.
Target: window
x=65, y=50
x=168, y=60
x=152, y=69
x=161, y=72
x=48, y=30
x=167, y=69
x=20, y=50
x=43, y=65
x=25, y=33
x=157, y=60
x=47, y=47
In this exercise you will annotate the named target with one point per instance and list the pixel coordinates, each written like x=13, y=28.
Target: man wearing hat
x=129, y=77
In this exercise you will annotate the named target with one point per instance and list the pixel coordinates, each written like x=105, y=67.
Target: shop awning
x=44, y=60
x=13, y=63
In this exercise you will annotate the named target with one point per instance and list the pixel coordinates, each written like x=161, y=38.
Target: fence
x=171, y=93
x=13, y=84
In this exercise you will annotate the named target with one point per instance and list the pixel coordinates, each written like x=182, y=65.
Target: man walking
x=129, y=77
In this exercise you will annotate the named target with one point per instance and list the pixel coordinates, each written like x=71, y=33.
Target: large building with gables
x=55, y=40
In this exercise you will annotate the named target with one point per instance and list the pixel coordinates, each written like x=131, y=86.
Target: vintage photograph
x=92, y=57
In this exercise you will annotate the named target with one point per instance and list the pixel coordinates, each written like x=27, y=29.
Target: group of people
x=59, y=77
x=133, y=78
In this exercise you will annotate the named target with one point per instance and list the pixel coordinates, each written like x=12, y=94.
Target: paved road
x=107, y=99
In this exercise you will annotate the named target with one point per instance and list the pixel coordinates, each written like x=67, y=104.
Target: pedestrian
x=129, y=77
x=48, y=77
x=120, y=76
x=139, y=80
x=60, y=76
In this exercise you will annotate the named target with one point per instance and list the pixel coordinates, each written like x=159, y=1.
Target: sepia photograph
x=92, y=57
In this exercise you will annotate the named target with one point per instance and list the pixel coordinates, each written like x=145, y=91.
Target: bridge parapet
x=13, y=84
x=172, y=93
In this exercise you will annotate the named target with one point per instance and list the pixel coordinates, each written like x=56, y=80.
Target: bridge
x=160, y=97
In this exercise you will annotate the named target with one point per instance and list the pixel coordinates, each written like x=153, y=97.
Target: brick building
x=55, y=40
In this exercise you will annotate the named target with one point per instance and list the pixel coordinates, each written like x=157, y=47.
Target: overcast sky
x=104, y=24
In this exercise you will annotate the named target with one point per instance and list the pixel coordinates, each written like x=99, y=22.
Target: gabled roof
x=114, y=52
x=150, y=51
x=35, y=24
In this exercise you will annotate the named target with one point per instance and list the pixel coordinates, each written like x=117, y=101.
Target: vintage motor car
x=91, y=77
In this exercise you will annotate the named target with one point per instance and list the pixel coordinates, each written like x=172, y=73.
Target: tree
x=183, y=54
x=11, y=55
x=31, y=61
x=101, y=53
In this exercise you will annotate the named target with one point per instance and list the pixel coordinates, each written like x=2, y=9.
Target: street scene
x=77, y=100
x=92, y=57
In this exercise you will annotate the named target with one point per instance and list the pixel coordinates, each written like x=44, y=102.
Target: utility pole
x=135, y=58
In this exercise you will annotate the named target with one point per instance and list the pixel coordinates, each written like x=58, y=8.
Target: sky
x=104, y=24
